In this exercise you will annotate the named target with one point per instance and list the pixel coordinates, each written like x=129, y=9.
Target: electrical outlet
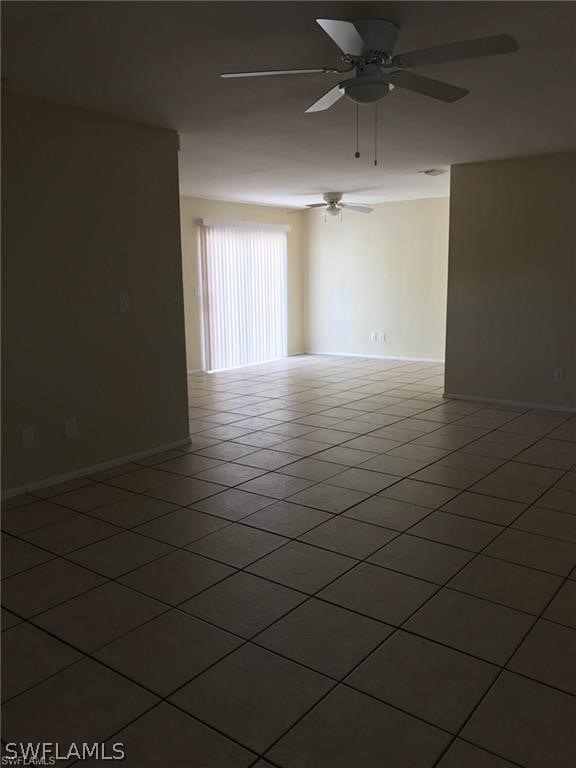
x=558, y=375
x=381, y=338
x=28, y=440
x=373, y=336
x=72, y=428
x=123, y=302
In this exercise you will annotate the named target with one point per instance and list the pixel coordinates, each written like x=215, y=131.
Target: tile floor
x=342, y=570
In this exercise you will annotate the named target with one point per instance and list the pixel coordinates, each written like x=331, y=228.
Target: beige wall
x=512, y=280
x=91, y=212
x=382, y=272
x=192, y=209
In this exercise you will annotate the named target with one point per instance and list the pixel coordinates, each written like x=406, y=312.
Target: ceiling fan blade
x=467, y=49
x=359, y=208
x=326, y=101
x=269, y=72
x=345, y=35
x=317, y=205
x=436, y=89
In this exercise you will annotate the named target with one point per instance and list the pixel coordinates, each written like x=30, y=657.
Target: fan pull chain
x=357, y=153
x=376, y=133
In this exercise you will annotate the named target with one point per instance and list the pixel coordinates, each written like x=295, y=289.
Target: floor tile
x=507, y=583
x=49, y=711
x=30, y=656
x=313, y=469
x=233, y=504
x=133, y=511
x=489, y=631
x=226, y=451
x=379, y=593
x=18, y=520
x=191, y=463
x=243, y=603
x=362, y=480
x=168, y=651
x=172, y=737
x=418, y=453
x=90, y=497
x=230, y=474
x=45, y=586
x=268, y=459
x=548, y=655
x=526, y=722
x=373, y=445
x=421, y=558
x=438, y=684
x=261, y=440
x=389, y=513
x=509, y=488
x=464, y=755
x=471, y=461
x=9, y=620
x=237, y=545
x=534, y=551
x=325, y=637
x=485, y=508
x=68, y=535
x=99, y=616
x=143, y=479
x=328, y=498
x=416, y=492
x=18, y=556
x=563, y=607
x=457, y=531
x=350, y=457
x=547, y=522
x=57, y=488
x=287, y=519
x=301, y=446
x=528, y=473
x=302, y=567
x=176, y=577
x=350, y=729
x=120, y=554
x=453, y=477
x=186, y=491
x=559, y=499
x=276, y=485
x=181, y=527
x=239, y=696
x=349, y=537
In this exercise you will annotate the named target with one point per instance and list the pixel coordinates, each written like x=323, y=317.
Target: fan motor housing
x=380, y=35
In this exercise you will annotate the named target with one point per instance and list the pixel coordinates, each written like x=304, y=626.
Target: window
x=245, y=293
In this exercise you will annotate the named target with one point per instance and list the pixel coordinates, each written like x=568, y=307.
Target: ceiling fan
x=367, y=46
x=332, y=205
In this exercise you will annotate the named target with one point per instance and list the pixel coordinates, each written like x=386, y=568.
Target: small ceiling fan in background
x=367, y=46
x=333, y=206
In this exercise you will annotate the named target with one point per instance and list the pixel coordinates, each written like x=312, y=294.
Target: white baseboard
x=10, y=492
x=511, y=403
x=381, y=357
x=195, y=370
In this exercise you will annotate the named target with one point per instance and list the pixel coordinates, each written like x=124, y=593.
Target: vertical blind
x=245, y=293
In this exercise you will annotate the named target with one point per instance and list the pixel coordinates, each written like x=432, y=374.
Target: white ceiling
x=249, y=140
